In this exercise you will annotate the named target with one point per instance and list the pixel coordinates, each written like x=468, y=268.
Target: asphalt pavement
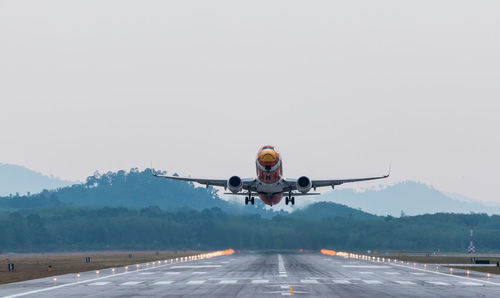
x=258, y=274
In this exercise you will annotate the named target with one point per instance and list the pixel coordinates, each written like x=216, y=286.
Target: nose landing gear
x=290, y=200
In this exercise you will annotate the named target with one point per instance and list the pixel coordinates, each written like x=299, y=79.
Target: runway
x=256, y=274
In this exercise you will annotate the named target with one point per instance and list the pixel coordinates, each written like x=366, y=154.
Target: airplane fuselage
x=269, y=175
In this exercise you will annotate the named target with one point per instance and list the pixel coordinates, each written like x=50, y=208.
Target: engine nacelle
x=304, y=184
x=235, y=184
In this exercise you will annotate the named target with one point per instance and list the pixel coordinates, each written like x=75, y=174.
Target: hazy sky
x=341, y=87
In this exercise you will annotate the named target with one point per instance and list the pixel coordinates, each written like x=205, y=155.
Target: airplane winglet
x=389, y=173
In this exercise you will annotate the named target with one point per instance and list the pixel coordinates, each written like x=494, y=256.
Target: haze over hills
x=18, y=179
x=412, y=197
x=135, y=189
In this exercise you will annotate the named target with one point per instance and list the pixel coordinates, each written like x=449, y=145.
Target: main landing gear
x=290, y=200
x=249, y=199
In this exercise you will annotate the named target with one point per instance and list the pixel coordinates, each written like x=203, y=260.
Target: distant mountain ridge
x=18, y=179
x=137, y=189
x=413, y=198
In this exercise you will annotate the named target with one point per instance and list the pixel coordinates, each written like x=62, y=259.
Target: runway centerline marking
x=228, y=281
x=281, y=267
x=372, y=282
x=260, y=281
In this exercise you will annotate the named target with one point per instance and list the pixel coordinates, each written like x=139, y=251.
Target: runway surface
x=264, y=275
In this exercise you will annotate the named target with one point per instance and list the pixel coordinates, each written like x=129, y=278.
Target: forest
x=111, y=228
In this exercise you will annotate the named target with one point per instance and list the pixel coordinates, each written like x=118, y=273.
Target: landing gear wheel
x=292, y=200
x=252, y=200
x=287, y=200
x=246, y=200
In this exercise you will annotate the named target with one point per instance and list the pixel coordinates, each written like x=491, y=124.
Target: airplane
x=269, y=184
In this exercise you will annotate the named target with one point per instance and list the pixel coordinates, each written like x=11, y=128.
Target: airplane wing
x=333, y=182
x=208, y=182
x=330, y=182
x=298, y=194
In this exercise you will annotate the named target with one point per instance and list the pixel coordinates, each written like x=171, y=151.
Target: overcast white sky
x=341, y=87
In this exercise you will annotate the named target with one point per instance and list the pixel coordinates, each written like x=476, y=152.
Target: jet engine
x=235, y=184
x=304, y=184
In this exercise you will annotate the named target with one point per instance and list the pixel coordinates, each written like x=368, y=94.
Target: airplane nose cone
x=268, y=156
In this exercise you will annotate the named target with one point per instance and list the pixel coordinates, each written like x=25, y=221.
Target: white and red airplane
x=270, y=185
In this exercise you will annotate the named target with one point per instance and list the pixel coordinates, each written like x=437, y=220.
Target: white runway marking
x=418, y=273
x=199, y=272
x=365, y=272
x=365, y=266
x=228, y=281
x=308, y=281
x=405, y=282
x=281, y=267
x=172, y=273
x=146, y=273
x=372, y=282
x=196, y=266
x=470, y=283
x=260, y=281
x=131, y=283
x=448, y=275
x=392, y=273
x=438, y=283
x=341, y=281
x=165, y=282
x=196, y=282
x=100, y=283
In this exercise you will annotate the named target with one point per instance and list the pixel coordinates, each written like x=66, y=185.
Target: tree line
x=64, y=228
